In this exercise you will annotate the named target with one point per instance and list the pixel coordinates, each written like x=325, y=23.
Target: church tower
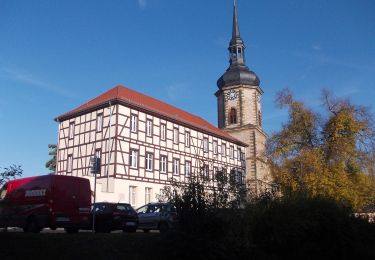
x=240, y=111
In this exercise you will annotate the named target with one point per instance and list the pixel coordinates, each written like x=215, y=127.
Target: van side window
x=3, y=192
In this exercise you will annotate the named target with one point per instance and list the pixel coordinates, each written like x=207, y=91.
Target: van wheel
x=71, y=230
x=32, y=226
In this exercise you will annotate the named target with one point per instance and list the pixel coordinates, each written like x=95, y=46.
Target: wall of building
x=117, y=175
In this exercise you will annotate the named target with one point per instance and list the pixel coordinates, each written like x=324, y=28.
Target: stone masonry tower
x=240, y=111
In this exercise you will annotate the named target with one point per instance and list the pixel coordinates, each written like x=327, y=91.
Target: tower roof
x=237, y=73
x=147, y=104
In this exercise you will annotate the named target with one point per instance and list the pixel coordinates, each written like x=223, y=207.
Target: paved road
x=61, y=230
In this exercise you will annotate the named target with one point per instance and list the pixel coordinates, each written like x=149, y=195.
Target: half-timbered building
x=142, y=143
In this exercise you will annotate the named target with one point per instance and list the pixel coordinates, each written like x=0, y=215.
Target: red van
x=52, y=201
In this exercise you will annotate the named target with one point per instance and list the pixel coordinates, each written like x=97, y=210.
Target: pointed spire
x=237, y=73
x=235, y=30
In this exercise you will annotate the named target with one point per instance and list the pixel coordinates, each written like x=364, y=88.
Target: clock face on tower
x=231, y=95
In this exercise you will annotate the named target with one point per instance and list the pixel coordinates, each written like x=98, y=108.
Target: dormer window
x=233, y=116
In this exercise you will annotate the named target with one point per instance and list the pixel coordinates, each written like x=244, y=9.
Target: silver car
x=157, y=216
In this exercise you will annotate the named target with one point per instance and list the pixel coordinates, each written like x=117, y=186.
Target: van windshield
x=3, y=192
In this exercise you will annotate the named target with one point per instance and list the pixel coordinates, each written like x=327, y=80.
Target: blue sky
x=56, y=55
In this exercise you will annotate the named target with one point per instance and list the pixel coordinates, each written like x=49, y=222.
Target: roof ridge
x=143, y=101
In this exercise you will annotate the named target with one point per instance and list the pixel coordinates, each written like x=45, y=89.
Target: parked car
x=54, y=201
x=157, y=216
x=114, y=216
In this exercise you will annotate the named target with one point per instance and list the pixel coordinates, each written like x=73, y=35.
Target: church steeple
x=236, y=45
x=237, y=73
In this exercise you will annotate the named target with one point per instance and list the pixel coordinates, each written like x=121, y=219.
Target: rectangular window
x=223, y=149
x=71, y=130
x=162, y=131
x=163, y=164
x=149, y=161
x=237, y=176
x=187, y=168
x=133, y=160
x=99, y=122
x=214, y=177
x=148, y=192
x=187, y=139
x=231, y=151
x=206, y=172
x=239, y=154
x=176, y=166
x=69, y=167
x=149, y=128
x=132, y=195
x=133, y=123
x=215, y=147
x=175, y=135
x=205, y=145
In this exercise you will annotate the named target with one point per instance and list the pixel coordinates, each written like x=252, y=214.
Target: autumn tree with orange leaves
x=329, y=155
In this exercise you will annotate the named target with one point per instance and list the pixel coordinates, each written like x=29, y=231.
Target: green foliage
x=51, y=164
x=330, y=155
x=10, y=173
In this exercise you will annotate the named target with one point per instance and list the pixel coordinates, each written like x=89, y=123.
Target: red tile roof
x=131, y=98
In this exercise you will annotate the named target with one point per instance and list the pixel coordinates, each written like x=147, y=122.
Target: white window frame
x=133, y=158
x=223, y=149
x=149, y=127
x=175, y=135
x=148, y=192
x=187, y=168
x=176, y=166
x=69, y=166
x=206, y=171
x=149, y=161
x=133, y=123
x=214, y=144
x=231, y=151
x=99, y=122
x=187, y=139
x=71, y=129
x=132, y=195
x=163, y=129
x=205, y=144
x=163, y=163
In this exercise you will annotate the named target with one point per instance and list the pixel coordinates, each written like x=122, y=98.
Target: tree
x=201, y=203
x=51, y=164
x=329, y=155
x=9, y=173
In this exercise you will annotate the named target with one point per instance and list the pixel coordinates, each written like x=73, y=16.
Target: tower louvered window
x=233, y=116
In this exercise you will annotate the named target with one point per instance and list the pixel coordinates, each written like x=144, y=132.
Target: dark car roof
x=111, y=203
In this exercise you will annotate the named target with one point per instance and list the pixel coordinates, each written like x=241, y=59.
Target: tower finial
x=235, y=30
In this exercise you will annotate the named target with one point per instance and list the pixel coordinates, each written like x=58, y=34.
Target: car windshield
x=142, y=209
x=123, y=207
x=153, y=208
x=103, y=208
